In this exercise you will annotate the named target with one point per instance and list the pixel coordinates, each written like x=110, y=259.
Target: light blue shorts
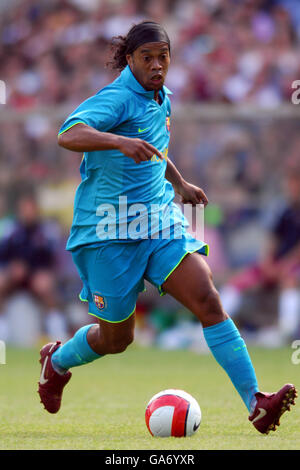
x=113, y=272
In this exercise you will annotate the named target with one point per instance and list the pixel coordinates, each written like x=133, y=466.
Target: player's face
x=149, y=64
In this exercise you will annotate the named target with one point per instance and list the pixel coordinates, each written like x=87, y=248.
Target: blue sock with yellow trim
x=74, y=352
x=230, y=351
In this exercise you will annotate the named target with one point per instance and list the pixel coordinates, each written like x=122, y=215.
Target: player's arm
x=189, y=193
x=83, y=138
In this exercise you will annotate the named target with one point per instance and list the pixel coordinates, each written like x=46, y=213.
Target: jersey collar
x=134, y=85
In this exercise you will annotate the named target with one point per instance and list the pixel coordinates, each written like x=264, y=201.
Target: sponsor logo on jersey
x=155, y=158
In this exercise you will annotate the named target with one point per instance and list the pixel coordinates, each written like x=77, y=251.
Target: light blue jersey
x=116, y=199
x=113, y=185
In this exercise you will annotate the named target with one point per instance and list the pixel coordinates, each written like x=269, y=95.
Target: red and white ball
x=173, y=413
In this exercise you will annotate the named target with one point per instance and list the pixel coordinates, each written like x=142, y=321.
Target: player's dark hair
x=141, y=33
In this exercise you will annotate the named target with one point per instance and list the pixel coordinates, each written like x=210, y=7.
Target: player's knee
x=209, y=298
x=118, y=346
x=208, y=306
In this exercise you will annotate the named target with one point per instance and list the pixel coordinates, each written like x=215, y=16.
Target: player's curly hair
x=122, y=45
x=118, y=48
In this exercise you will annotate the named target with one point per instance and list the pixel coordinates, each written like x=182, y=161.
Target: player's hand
x=191, y=194
x=137, y=149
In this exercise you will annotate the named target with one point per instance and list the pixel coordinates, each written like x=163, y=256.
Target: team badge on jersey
x=168, y=123
x=99, y=301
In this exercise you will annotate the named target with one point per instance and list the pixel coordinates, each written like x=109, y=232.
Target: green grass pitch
x=104, y=403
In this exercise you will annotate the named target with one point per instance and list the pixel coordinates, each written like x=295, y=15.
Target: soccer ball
x=173, y=413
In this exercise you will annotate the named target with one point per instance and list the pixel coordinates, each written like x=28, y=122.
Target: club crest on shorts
x=99, y=300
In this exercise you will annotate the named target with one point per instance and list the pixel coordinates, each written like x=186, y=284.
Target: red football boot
x=270, y=407
x=51, y=384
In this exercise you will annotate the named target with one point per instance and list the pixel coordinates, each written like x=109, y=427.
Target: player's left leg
x=191, y=284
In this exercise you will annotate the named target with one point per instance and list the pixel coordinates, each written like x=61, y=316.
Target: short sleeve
x=103, y=112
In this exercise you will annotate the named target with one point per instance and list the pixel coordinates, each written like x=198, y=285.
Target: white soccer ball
x=173, y=413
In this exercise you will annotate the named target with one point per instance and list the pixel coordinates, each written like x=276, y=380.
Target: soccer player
x=124, y=133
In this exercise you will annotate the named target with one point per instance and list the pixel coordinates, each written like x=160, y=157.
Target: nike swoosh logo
x=42, y=377
x=142, y=130
x=196, y=426
x=261, y=414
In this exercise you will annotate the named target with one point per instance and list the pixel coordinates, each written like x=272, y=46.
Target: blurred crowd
x=222, y=50
x=53, y=56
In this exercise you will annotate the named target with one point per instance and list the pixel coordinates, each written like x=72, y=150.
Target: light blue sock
x=230, y=351
x=74, y=352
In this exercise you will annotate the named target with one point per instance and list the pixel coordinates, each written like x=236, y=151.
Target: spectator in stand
x=28, y=262
x=280, y=267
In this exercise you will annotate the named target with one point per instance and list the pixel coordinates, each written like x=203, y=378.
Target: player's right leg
x=112, y=277
x=89, y=343
x=111, y=338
